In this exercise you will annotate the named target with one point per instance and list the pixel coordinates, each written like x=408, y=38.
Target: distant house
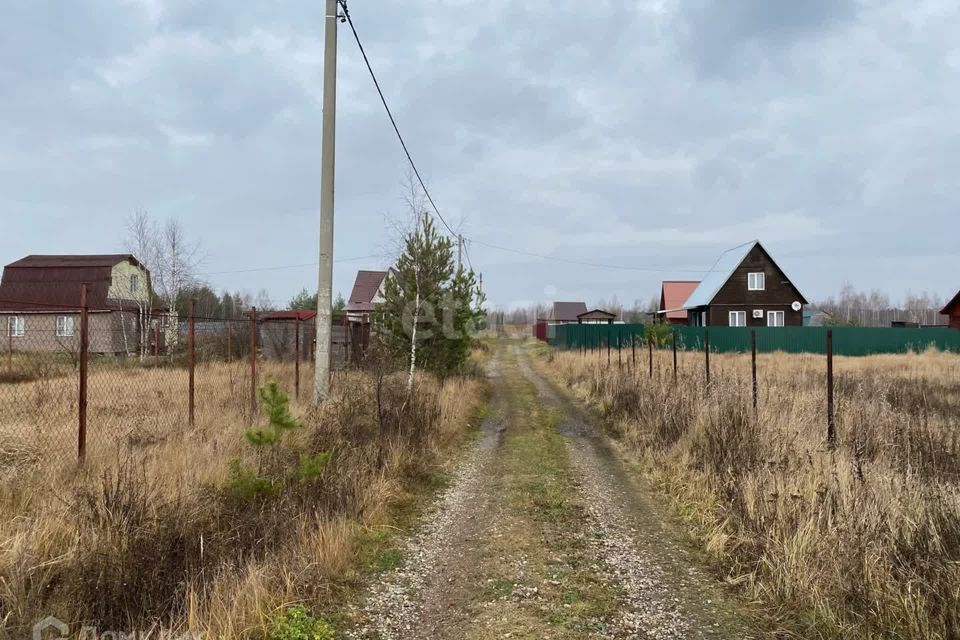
x=745, y=288
x=596, y=316
x=952, y=311
x=813, y=317
x=566, y=312
x=367, y=292
x=673, y=295
x=40, y=304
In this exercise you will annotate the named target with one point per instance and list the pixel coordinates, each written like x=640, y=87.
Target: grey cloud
x=600, y=135
x=725, y=38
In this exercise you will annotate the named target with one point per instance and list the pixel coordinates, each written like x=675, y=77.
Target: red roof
x=365, y=289
x=947, y=310
x=293, y=314
x=51, y=283
x=672, y=296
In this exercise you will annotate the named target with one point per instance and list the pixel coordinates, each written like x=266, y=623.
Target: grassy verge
x=160, y=537
x=860, y=542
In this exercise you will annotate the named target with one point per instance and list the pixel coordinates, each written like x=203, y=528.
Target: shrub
x=296, y=623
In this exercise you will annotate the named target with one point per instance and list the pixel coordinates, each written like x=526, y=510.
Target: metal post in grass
x=674, y=332
x=191, y=359
x=633, y=350
x=650, y=351
x=706, y=352
x=296, y=360
x=619, y=358
x=84, y=356
x=831, y=424
x=156, y=345
x=753, y=366
x=608, y=348
x=253, y=362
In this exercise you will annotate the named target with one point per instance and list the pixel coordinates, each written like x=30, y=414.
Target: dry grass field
x=858, y=542
x=149, y=533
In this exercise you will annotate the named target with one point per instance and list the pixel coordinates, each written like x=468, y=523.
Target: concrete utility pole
x=321, y=386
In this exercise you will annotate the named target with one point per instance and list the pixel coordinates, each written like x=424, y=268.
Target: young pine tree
x=429, y=307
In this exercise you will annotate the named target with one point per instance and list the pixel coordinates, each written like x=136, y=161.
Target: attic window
x=134, y=282
x=755, y=281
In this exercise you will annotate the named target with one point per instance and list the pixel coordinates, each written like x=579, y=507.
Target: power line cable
x=383, y=99
x=587, y=264
x=281, y=267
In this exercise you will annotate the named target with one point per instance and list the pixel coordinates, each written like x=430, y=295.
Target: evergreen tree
x=430, y=309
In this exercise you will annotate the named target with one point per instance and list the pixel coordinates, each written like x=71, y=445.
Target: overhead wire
x=396, y=129
x=349, y=20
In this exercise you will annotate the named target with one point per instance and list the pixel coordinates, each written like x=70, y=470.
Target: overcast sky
x=651, y=135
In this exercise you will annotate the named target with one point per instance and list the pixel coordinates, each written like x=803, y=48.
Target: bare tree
x=172, y=261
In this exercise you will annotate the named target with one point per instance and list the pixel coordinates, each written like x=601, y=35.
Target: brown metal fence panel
x=140, y=371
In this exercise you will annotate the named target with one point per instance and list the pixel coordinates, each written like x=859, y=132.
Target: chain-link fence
x=78, y=382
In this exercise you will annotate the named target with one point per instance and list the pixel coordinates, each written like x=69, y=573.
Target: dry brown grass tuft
x=147, y=532
x=863, y=541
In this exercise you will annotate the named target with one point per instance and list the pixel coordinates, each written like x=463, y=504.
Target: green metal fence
x=847, y=341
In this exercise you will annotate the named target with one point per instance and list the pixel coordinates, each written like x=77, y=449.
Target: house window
x=738, y=318
x=774, y=318
x=16, y=326
x=134, y=282
x=755, y=281
x=64, y=326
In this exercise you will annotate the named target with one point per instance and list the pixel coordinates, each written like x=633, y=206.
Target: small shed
x=278, y=333
x=596, y=316
x=952, y=311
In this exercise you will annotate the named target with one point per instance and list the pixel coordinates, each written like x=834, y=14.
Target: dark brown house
x=952, y=311
x=40, y=304
x=597, y=316
x=566, y=312
x=367, y=292
x=746, y=288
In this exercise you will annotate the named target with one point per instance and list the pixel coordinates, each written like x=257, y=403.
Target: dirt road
x=543, y=534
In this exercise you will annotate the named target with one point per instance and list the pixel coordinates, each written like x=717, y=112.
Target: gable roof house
x=673, y=295
x=367, y=292
x=952, y=311
x=596, y=316
x=40, y=303
x=566, y=312
x=745, y=288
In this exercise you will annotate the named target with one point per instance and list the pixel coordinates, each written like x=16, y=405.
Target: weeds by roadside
x=863, y=541
x=162, y=537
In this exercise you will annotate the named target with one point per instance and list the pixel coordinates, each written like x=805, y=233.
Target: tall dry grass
x=860, y=542
x=147, y=533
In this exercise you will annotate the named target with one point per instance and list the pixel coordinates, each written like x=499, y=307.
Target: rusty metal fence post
x=753, y=366
x=674, y=332
x=191, y=359
x=296, y=360
x=156, y=345
x=831, y=420
x=84, y=357
x=650, y=350
x=706, y=352
x=253, y=363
